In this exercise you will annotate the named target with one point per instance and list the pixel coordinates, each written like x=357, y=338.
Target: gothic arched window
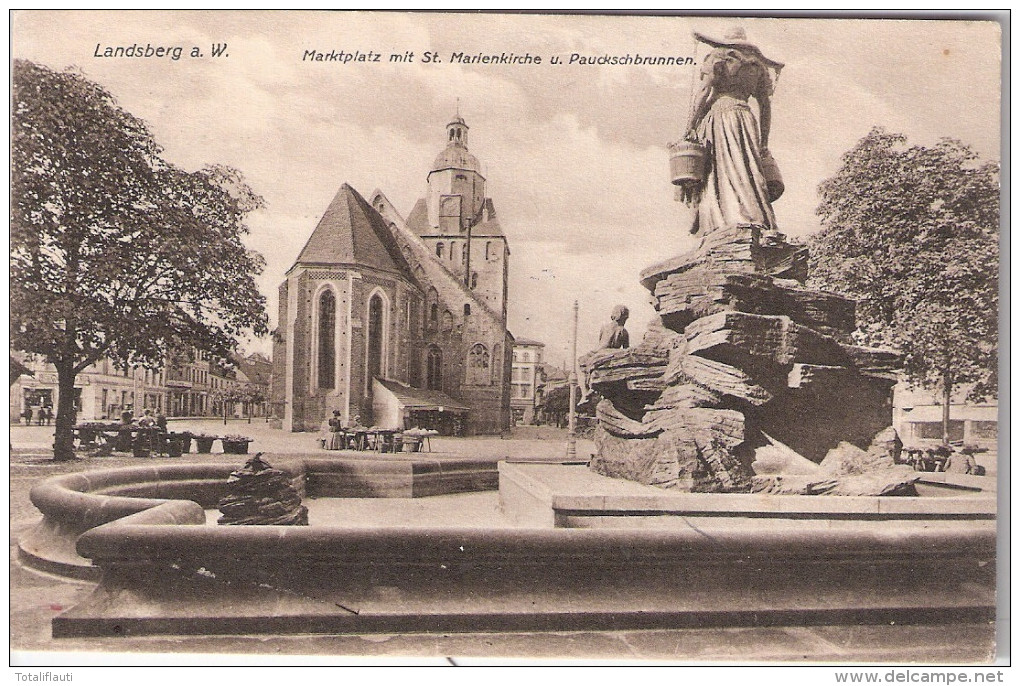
x=439, y=250
x=434, y=316
x=375, y=336
x=474, y=279
x=434, y=369
x=327, y=340
x=478, y=365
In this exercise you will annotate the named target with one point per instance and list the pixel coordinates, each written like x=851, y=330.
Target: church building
x=400, y=322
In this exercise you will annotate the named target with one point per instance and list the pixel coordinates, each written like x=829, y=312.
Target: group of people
x=337, y=436
x=42, y=415
x=943, y=458
x=148, y=420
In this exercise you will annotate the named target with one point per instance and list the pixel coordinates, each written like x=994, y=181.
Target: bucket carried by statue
x=773, y=179
x=688, y=163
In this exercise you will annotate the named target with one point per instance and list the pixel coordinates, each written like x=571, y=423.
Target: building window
x=474, y=280
x=434, y=369
x=434, y=316
x=327, y=340
x=375, y=336
x=467, y=309
x=439, y=250
x=447, y=320
x=478, y=365
x=488, y=250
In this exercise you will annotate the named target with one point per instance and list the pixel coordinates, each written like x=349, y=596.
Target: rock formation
x=745, y=367
x=259, y=494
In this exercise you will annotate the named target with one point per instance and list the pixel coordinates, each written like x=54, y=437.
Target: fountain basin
x=75, y=503
x=165, y=572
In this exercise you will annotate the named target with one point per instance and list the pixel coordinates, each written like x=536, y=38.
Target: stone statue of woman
x=736, y=191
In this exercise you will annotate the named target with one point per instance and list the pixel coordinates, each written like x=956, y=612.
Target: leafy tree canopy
x=912, y=232
x=115, y=252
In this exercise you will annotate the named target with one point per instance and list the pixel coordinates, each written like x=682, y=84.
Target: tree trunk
x=947, y=396
x=63, y=443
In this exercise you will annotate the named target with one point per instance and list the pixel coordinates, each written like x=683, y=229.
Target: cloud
x=574, y=156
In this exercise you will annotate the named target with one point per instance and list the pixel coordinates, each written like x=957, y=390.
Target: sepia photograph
x=459, y=338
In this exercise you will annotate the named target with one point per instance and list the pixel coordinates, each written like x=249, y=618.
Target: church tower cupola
x=456, y=185
x=457, y=132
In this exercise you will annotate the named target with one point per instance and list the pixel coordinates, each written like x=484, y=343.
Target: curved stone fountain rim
x=73, y=504
x=468, y=579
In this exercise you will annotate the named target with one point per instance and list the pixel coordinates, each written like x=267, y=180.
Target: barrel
x=687, y=163
x=773, y=178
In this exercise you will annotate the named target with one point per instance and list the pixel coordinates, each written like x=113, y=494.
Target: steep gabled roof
x=351, y=232
x=418, y=220
x=255, y=367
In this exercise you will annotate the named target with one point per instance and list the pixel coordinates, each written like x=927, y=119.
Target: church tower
x=459, y=223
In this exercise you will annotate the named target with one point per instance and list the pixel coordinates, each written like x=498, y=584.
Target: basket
x=688, y=163
x=773, y=178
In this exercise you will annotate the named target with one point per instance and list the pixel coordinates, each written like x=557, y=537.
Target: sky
x=574, y=154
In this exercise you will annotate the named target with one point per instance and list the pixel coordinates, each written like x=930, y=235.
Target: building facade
x=917, y=417
x=373, y=297
x=191, y=384
x=525, y=377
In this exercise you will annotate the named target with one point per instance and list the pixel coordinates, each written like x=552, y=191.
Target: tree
x=556, y=404
x=115, y=252
x=247, y=394
x=912, y=233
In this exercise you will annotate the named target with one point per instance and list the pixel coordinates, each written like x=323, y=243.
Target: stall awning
x=410, y=398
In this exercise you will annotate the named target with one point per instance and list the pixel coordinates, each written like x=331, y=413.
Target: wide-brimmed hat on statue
x=736, y=37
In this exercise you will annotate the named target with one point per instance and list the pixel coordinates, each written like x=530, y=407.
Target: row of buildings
x=532, y=380
x=191, y=384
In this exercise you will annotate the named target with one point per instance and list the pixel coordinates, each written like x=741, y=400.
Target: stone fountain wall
x=745, y=367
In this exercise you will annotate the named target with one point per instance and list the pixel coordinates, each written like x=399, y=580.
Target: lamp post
x=571, y=412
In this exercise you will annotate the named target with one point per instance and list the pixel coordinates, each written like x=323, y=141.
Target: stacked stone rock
x=259, y=494
x=745, y=365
